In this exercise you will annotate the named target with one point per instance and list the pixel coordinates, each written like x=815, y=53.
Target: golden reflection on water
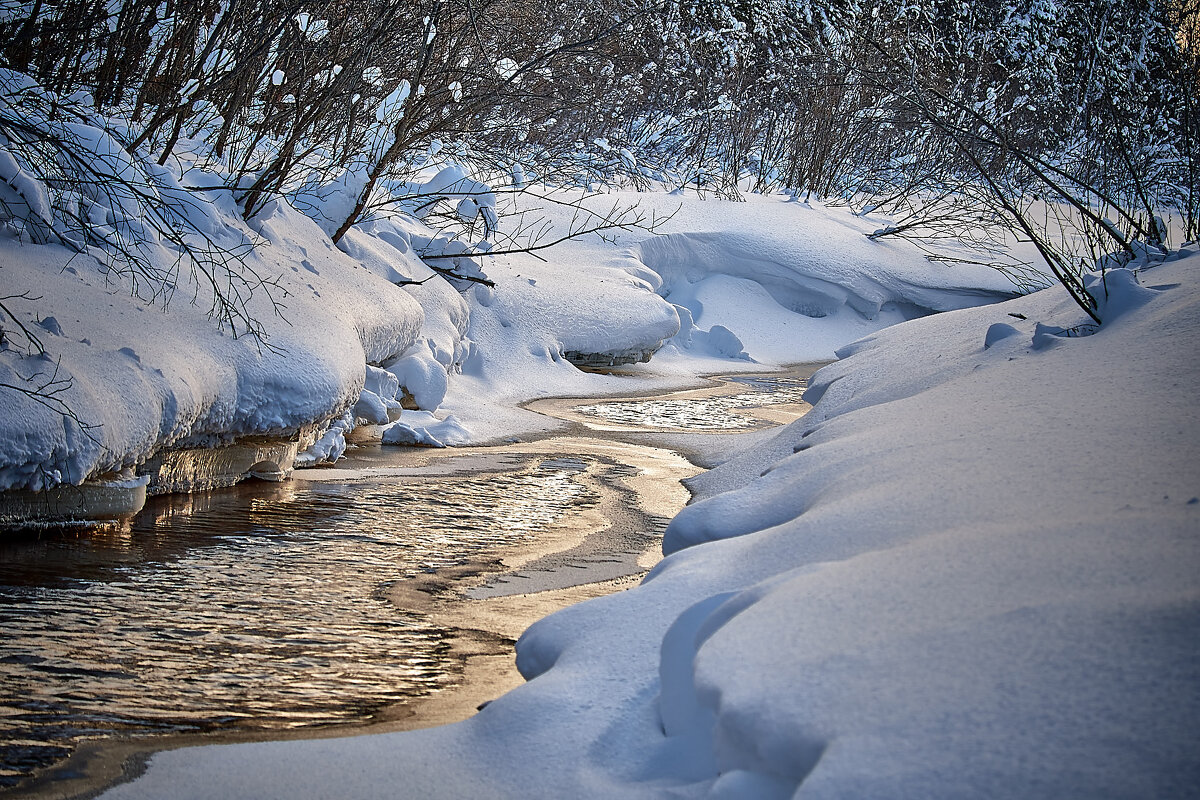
x=260, y=607
x=712, y=413
x=265, y=606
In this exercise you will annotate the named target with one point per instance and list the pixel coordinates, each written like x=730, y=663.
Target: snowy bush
x=68, y=179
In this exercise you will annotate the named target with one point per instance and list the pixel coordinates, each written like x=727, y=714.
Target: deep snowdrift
x=796, y=281
x=976, y=575
x=764, y=281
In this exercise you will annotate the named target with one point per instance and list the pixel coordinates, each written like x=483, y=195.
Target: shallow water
x=713, y=413
x=266, y=606
x=260, y=607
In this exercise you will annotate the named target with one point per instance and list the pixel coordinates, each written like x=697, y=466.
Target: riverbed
x=383, y=594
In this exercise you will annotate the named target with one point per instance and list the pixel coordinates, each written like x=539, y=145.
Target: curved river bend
x=331, y=599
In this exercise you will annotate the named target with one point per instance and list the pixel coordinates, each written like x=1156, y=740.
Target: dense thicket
x=1071, y=122
x=1043, y=115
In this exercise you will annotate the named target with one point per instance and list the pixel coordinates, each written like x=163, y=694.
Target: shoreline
x=481, y=634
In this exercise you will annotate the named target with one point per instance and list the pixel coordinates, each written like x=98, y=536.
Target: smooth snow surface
x=790, y=277
x=765, y=282
x=970, y=571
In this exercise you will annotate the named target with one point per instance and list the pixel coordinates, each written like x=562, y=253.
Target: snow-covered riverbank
x=969, y=571
x=768, y=279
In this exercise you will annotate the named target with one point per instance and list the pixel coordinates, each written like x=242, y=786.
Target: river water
x=271, y=607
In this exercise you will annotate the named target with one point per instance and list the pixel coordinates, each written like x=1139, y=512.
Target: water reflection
x=713, y=413
x=259, y=607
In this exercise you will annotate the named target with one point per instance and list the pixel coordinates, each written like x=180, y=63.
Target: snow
x=423, y=429
x=788, y=277
x=969, y=571
x=767, y=281
x=391, y=108
x=731, y=300
x=145, y=378
x=330, y=202
x=18, y=189
x=470, y=198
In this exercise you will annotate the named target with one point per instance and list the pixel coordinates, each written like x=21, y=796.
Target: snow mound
x=799, y=291
x=950, y=603
x=140, y=377
x=742, y=282
x=423, y=429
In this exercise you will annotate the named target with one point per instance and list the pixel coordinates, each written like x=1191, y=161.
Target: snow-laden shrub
x=66, y=177
x=472, y=201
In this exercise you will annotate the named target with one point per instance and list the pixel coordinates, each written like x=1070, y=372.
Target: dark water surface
x=263, y=606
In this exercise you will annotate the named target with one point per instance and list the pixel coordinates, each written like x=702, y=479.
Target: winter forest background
x=1071, y=123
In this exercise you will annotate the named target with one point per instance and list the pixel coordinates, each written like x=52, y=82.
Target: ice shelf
x=90, y=502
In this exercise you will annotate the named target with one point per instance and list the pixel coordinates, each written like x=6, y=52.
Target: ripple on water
x=715, y=413
x=269, y=615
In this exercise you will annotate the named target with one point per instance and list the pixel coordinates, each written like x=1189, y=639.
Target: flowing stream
x=271, y=607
